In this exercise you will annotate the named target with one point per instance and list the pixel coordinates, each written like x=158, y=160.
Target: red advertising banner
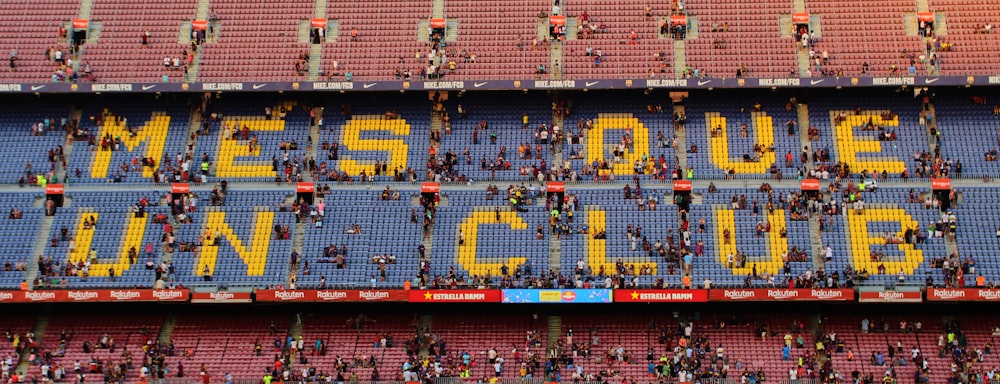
x=962, y=294
x=220, y=297
x=327, y=295
x=318, y=22
x=430, y=188
x=941, y=184
x=682, y=185
x=180, y=188
x=456, y=296
x=781, y=294
x=890, y=297
x=199, y=25
x=557, y=20
x=94, y=295
x=800, y=18
x=438, y=23
x=661, y=295
x=53, y=189
x=925, y=16
x=678, y=20
x=305, y=187
x=555, y=187
x=810, y=184
x=81, y=23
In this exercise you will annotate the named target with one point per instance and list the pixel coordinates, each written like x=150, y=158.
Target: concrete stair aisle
x=61, y=171
x=315, y=62
x=555, y=60
x=314, y=137
x=799, y=6
x=296, y=325
x=437, y=127
x=42, y=239
x=167, y=329
x=200, y=14
x=923, y=6
x=802, y=59
x=681, y=133
x=437, y=9
x=191, y=140
x=680, y=58
x=428, y=240
x=816, y=243
x=931, y=114
x=41, y=325
x=424, y=324
x=555, y=249
x=554, y=331
x=802, y=111
x=298, y=240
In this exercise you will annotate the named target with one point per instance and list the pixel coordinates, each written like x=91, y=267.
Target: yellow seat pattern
x=255, y=257
x=849, y=146
x=597, y=249
x=862, y=240
x=397, y=149
x=470, y=231
x=772, y=264
x=230, y=149
x=595, y=148
x=763, y=133
x=135, y=229
x=154, y=133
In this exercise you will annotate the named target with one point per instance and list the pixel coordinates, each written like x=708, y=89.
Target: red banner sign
x=199, y=25
x=220, y=297
x=93, y=295
x=438, y=23
x=54, y=189
x=661, y=295
x=962, y=294
x=180, y=188
x=305, y=187
x=327, y=295
x=800, y=18
x=925, y=16
x=781, y=294
x=810, y=184
x=456, y=296
x=678, y=20
x=682, y=185
x=80, y=23
x=555, y=187
x=941, y=184
x=430, y=188
x=318, y=22
x=890, y=297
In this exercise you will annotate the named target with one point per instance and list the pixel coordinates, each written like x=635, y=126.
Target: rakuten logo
x=890, y=295
x=4, y=296
x=124, y=295
x=781, y=294
x=331, y=295
x=289, y=295
x=168, y=295
x=988, y=294
x=221, y=296
x=823, y=294
x=82, y=295
x=373, y=295
x=738, y=294
x=38, y=296
x=950, y=294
